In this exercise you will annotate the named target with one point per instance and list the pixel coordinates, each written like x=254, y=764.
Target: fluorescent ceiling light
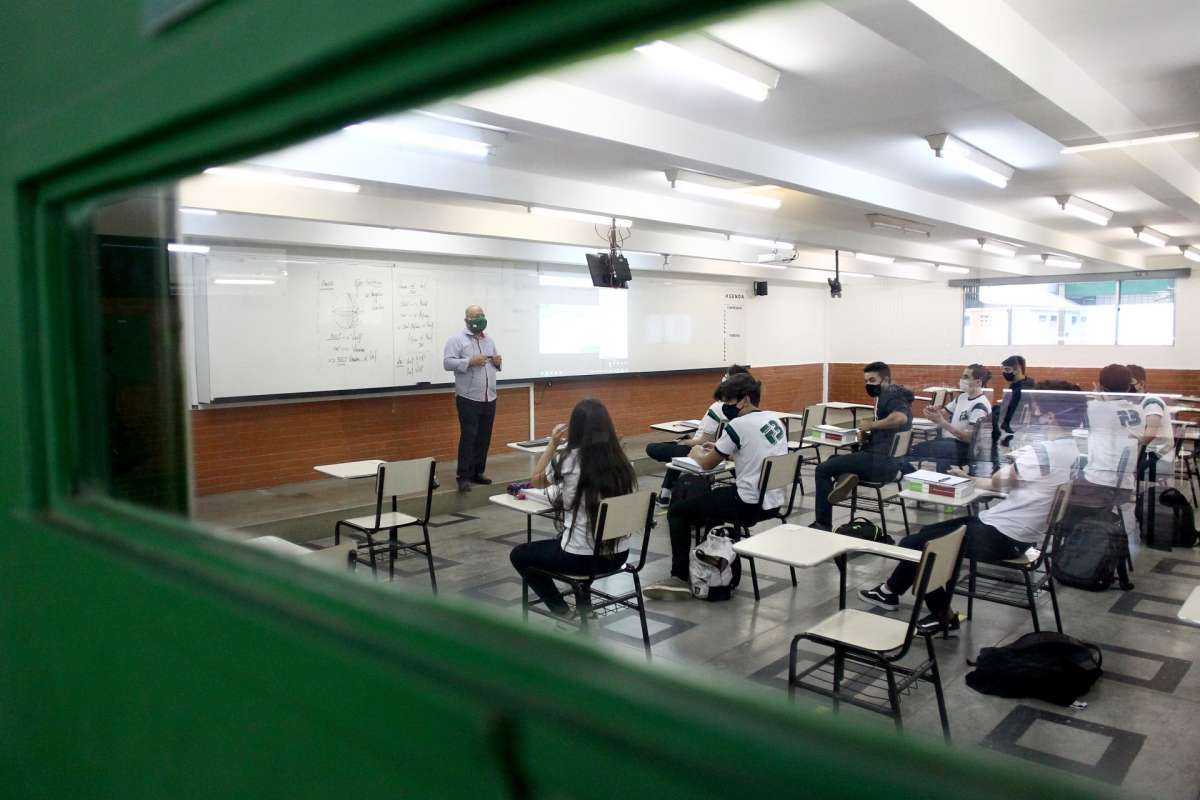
x=998, y=248
x=734, y=237
x=414, y=137
x=198, y=212
x=1190, y=252
x=760, y=264
x=263, y=176
x=578, y=216
x=970, y=160
x=874, y=259
x=1150, y=236
x=899, y=224
x=1170, y=137
x=856, y=275
x=1052, y=260
x=244, y=281
x=462, y=121
x=174, y=247
x=683, y=182
x=949, y=270
x=1083, y=209
x=705, y=58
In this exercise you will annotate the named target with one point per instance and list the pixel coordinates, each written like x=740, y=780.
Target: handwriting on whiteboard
x=349, y=306
x=415, y=327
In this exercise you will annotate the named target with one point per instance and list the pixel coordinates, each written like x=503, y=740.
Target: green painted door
x=140, y=657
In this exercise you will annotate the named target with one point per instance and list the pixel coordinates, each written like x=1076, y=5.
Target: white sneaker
x=671, y=589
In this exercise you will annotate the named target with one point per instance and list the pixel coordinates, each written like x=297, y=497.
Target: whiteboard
x=269, y=324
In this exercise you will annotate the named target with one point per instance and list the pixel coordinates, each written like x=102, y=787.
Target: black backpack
x=1089, y=551
x=1174, y=521
x=863, y=528
x=1048, y=666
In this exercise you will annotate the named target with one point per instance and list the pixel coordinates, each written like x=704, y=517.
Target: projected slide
x=599, y=328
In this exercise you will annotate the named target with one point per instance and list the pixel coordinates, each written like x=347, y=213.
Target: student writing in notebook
x=750, y=436
x=956, y=423
x=710, y=424
x=589, y=469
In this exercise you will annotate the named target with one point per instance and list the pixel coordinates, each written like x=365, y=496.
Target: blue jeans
x=548, y=554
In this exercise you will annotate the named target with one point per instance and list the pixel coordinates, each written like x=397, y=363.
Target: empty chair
x=878, y=643
x=810, y=452
x=395, y=479
x=618, y=517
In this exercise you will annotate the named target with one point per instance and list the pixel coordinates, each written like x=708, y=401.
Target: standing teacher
x=471, y=355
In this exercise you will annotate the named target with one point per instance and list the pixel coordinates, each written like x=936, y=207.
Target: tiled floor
x=1139, y=730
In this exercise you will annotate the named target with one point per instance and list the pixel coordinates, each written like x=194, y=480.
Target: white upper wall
x=787, y=326
x=906, y=322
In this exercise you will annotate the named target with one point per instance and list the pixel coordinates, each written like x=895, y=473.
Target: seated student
x=591, y=468
x=750, y=436
x=1112, y=445
x=1016, y=523
x=873, y=462
x=955, y=422
x=712, y=420
x=1013, y=370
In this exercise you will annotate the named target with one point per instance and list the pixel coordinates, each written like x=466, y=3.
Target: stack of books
x=925, y=481
x=832, y=434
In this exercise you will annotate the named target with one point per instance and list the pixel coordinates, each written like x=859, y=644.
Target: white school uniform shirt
x=1164, y=441
x=965, y=412
x=749, y=439
x=1112, y=424
x=1041, y=468
x=577, y=530
x=712, y=420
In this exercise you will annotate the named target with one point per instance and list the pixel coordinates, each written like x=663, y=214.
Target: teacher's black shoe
x=482, y=480
x=464, y=486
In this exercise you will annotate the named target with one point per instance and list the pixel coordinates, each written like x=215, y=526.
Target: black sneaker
x=482, y=480
x=932, y=624
x=880, y=597
x=664, y=501
x=464, y=486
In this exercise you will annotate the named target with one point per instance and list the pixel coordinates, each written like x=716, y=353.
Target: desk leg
x=529, y=529
x=841, y=565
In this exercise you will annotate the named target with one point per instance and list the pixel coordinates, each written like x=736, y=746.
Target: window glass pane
x=1089, y=315
x=1147, y=312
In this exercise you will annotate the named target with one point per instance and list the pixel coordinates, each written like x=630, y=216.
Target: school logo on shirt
x=1129, y=418
x=773, y=432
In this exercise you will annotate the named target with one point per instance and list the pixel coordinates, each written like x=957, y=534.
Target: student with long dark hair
x=589, y=469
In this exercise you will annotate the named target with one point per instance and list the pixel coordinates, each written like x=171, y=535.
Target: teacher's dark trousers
x=475, y=420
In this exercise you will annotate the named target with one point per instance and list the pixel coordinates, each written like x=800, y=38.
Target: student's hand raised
x=559, y=433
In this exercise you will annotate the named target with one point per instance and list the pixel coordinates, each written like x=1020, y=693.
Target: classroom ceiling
x=863, y=82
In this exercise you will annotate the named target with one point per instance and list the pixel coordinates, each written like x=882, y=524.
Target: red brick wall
x=845, y=380
x=635, y=402
x=252, y=447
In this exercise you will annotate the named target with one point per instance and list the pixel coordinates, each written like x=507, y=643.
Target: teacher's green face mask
x=477, y=325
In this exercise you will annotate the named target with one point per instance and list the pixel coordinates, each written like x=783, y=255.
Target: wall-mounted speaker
x=760, y=288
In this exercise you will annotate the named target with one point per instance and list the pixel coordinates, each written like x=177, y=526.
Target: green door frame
x=142, y=657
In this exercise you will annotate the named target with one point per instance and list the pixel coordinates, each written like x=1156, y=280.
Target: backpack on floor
x=863, y=528
x=1174, y=520
x=688, y=486
x=1089, y=551
x=714, y=567
x=1048, y=666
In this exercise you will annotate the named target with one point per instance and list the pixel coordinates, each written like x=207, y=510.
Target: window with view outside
x=1146, y=314
x=1080, y=313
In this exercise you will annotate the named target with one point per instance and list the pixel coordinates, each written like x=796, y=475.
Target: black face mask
x=730, y=410
x=1009, y=376
x=874, y=389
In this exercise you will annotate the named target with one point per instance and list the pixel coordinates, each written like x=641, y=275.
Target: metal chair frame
x=776, y=513
x=393, y=545
x=878, y=504
x=582, y=585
